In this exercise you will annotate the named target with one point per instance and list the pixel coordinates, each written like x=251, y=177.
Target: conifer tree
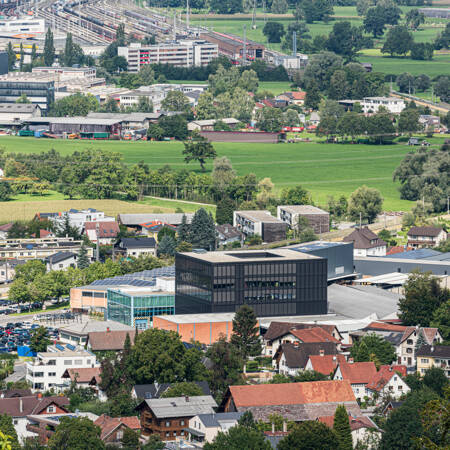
x=83, y=259
x=245, y=336
x=342, y=429
x=183, y=230
x=202, y=231
x=49, y=49
x=11, y=56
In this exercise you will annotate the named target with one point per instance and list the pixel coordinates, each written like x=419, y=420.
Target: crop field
x=324, y=169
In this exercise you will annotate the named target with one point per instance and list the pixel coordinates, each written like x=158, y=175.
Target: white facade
x=79, y=218
x=180, y=53
x=68, y=73
x=64, y=264
x=46, y=370
x=419, y=241
x=28, y=25
x=394, y=388
x=374, y=251
x=283, y=367
x=222, y=422
x=392, y=104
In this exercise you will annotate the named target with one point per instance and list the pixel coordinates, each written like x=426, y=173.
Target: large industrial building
x=274, y=282
x=180, y=53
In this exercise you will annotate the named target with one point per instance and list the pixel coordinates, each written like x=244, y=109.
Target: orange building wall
x=77, y=301
x=205, y=332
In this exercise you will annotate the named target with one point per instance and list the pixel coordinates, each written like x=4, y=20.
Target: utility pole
x=448, y=205
x=360, y=220
x=244, y=50
x=187, y=15
x=294, y=44
x=254, y=15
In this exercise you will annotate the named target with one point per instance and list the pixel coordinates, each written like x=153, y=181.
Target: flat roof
x=142, y=292
x=259, y=216
x=200, y=318
x=316, y=245
x=303, y=209
x=278, y=255
x=74, y=120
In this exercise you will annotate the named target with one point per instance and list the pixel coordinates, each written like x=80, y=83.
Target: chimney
x=284, y=426
x=21, y=405
x=107, y=329
x=322, y=352
x=334, y=358
x=273, y=427
x=350, y=360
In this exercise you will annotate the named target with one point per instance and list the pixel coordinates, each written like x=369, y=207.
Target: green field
x=276, y=87
x=325, y=169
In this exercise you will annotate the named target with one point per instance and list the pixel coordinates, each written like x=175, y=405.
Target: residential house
x=20, y=407
x=274, y=334
x=318, y=219
x=227, y=234
x=205, y=427
x=419, y=237
x=430, y=122
x=135, y=221
x=135, y=246
x=405, y=339
x=61, y=261
x=429, y=356
x=169, y=417
x=104, y=232
x=14, y=393
x=8, y=269
x=261, y=223
x=109, y=340
x=78, y=333
x=11, y=113
x=156, y=390
x=44, y=426
x=293, y=97
x=43, y=234
x=366, y=243
x=394, y=105
x=390, y=407
x=296, y=402
x=4, y=230
x=314, y=119
x=358, y=374
x=47, y=368
x=88, y=377
x=290, y=359
x=151, y=229
x=78, y=218
x=113, y=428
x=388, y=382
x=361, y=427
x=325, y=364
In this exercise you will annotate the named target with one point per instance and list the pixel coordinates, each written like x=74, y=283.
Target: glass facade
x=138, y=310
x=38, y=92
x=271, y=287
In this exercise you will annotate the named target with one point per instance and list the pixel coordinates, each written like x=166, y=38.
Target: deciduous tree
x=311, y=435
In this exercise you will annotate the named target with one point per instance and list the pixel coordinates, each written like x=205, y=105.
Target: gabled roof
x=215, y=419
x=292, y=393
x=109, y=340
x=355, y=422
x=137, y=242
x=43, y=233
x=435, y=351
x=363, y=238
x=6, y=227
x=84, y=375
x=180, y=406
x=358, y=372
x=315, y=334
x=109, y=424
x=155, y=390
x=24, y=406
x=11, y=393
x=297, y=355
x=228, y=231
x=59, y=257
x=278, y=329
x=326, y=364
x=105, y=229
x=425, y=231
x=383, y=326
x=383, y=376
x=430, y=334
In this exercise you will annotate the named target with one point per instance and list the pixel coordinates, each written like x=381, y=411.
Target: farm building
x=60, y=125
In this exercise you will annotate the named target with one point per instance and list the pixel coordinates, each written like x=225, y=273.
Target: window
x=51, y=409
x=409, y=341
x=52, y=374
x=181, y=433
x=67, y=362
x=167, y=424
x=395, y=378
x=78, y=362
x=182, y=423
x=424, y=360
x=119, y=435
x=409, y=350
x=400, y=388
x=168, y=434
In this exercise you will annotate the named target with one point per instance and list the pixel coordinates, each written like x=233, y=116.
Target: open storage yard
x=324, y=169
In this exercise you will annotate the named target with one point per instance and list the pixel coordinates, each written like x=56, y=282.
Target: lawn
x=325, y=169
x=276, y=87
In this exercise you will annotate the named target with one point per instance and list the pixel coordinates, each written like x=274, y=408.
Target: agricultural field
x=276, y=87
x=324, y=169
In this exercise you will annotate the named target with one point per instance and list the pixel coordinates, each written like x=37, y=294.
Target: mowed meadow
x=324, y=169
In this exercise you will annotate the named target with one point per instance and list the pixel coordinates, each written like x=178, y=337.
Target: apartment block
x=179, y=53
x=318, y=219
x=270, y=228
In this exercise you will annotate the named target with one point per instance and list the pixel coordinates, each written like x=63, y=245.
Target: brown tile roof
x=430, y=334
x=292, y=393
x=24, y=406
x=109, y=424
x=364, y=238
x=277, y=329
x=10, y=393
x=424, y=231
x=316, y=334
x=383, y=376
x=355, y=422
x=435, y=351
x=85, y=375
x=132, y=422
x=6, y=227
x=326, y=364
x=358, y=372
x=105, y=229
x=382, y=326
x=297, y=355
x=109, y=340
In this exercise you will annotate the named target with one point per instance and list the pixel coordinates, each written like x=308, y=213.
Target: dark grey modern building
x=339, y=256
x=275, y=282
x=3, y=63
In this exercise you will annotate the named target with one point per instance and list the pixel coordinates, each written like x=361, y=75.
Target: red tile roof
x=382, y=326
x=43, y=233
x=298, y=95
x=355, y=422
x=133, y=422
x=105, y=229
x=292, y=393
x=315, y=334
x=109, y=424
x=277, y=329
x=358, y=372
x=383, y=376
x=85, y=375
x=326, y=363
x=430, y=334
x=109, y=340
